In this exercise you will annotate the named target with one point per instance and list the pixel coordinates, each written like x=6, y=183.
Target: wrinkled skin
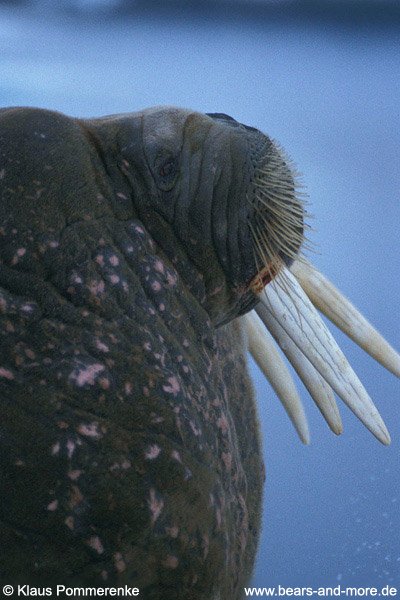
x=130, y=451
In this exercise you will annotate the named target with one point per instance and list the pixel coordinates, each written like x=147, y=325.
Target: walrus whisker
x=275, y=223
x=271, y=261
x=340, y=311
x=315, y=341
x=269, y=360
x=294, y=237
x=280, y=199
x=267, y=198
x=291, y=248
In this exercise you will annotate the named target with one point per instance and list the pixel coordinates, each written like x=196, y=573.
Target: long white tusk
x=268, y=358
x=319, y=390
x=298, y=317
x=338, y=309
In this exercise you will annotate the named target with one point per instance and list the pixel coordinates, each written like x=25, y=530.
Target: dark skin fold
x=130, y=451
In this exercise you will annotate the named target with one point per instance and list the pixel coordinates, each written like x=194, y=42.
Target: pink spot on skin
x=104, y=383
x=146, y=391
x=216, y=291
x=159, y=266
x=205, y=544
x=174, y=386
x=227, y=458
x=162, y=307
x=219, y=519
x=53, y=505
x=96, y=287
x=129, y=249
x=2, y=173
x=54, y=244
x=172, y=531
x=175, y=454
x=114, y=279
x=128, y=388
x=186, y=343
x=152, y=452
x=172, y=279
x=75, y=474
x=171, y=562
x=27, y=307
x=21, y=251
x=114, y=260
x=138, y=229
x=90, y=430
x=158, y=420
x=69, y=521
x=30, y=353
x=126, y=464
x=78, y=279
x=70, y=448
x=76, y=496
x=100, y=260
x=155, y=505
x=87, y=375
x=156, y=286
x=120, y=195
x=96, y=544
x=6, y=373
x=55, y=449
x=119, y=562
x=222, y=424
x=102, y=346
x=195, y=429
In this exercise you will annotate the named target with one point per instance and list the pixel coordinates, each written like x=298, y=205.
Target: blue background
x=324, y=80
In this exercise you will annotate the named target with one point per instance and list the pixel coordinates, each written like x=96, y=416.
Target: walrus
x=140, y=255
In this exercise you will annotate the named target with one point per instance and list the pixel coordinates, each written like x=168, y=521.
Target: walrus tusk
x=338, y=309
x=316, y=385
x=270, y=362
x=300, y=320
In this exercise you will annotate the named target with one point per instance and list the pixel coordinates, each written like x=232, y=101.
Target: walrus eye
x=166, y=173
x=167, y=169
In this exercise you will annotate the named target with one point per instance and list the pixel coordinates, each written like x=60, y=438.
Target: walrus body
x=130, y=452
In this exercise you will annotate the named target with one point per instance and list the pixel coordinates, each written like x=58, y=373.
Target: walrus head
x=219, y=198
x=224, y=190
